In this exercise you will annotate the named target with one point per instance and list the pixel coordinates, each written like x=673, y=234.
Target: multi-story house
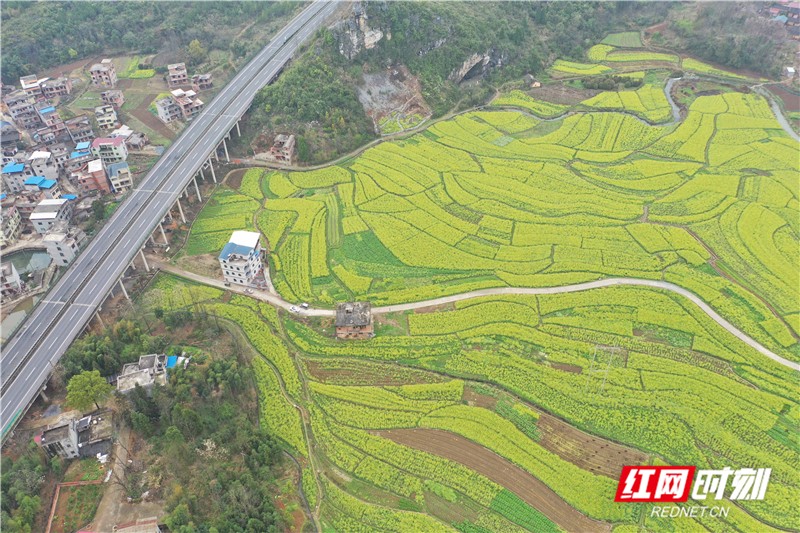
x=103, y=74
x=177, y=75
x=114, y=98
x=202, y=82
x=110, y=150
x=14, y=175
x=354, y=321
x=81, y=155
x=10, y=282
x=57, y=87
x=43, y=164
x=11, y=222
x=189, y=103
x=120, y=176
x=240, y=259
x=21, y=107
x=167, y=110
x=49, y=212
x=80, y=129
x=92, y=177
x=63, y=243
x=32, y=84
x=106, y=117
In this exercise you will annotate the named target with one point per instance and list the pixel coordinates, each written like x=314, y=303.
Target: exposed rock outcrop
x=354, y=33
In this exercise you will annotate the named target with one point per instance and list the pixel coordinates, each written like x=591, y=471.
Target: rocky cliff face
x=354, y=33
x=477, y=65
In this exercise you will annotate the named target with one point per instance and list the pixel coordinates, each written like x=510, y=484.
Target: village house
x=45, y=187
x=32, y=84
x=81, y=155
x=187, y=101
x=21, y=107
x=120, y=176
x=9, y=138
x=106, y=117
x=134, y=140
x=43, y=164
x=240, y=259
x=167, y=110
x=84, y=437
x=14, y=175
x=354, y=321
x=48, y=212
x=202, y=82
x=26, y=203
x=11, y=222
x=63, y=243
x=177, y=75
x=10, y=282
x=110, y=150
x=52, y=88
x=80, y=129
x=151, y=370
x=103, y=74
x=282, y=149
x=60, y=155
x=113, y=98
x=92, y=177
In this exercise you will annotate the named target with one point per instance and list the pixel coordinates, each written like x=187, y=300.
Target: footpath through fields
x=277, y=301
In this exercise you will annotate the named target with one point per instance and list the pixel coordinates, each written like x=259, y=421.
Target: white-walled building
x=10, y=282
x=120, y=176
x=43, y=164
x=63, y=243
x=240, y=259
x=49, y=212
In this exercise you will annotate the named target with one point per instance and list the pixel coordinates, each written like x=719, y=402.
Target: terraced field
x=514, y=413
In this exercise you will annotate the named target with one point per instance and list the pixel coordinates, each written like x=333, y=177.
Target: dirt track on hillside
x=501, y=471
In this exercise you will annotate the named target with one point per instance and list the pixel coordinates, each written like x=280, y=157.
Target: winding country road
x=277, y=301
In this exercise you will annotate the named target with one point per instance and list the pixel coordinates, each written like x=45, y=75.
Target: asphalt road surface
x=42, y=339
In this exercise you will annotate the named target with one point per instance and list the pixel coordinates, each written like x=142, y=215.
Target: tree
x=87, y=388
x=197, y=54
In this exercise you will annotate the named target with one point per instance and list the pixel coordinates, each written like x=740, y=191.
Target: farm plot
x=393, y=437
x=496, y=198
x=499, y=470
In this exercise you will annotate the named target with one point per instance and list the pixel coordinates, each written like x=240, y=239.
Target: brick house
x=354, y=321
x=103, y=74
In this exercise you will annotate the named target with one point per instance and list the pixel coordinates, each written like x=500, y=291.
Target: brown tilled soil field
x=499, y=470
x=591, y=453
x=344, y=372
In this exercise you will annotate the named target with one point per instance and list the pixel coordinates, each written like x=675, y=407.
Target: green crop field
x=628, y=39
x=517, y=412
x=492, y=374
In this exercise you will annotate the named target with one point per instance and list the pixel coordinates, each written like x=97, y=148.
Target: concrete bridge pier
x=213, y=175
x=144, y=260
x=122, y=286
x=180, y=210
x=197, y=189
x=164, y=235
x=238, y=131
x=225, y=146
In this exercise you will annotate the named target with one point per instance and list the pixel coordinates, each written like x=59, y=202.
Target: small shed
x=354, y=321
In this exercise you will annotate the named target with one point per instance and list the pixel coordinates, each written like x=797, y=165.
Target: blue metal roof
x=35, y=180
x=69, y=197
x=48, y=109
x=233, y=248
x=3, y=196
x=12, y=167
x=82, y=146
x=48, y=184
x=76, y=155
x=172, y=360
x=114, y=168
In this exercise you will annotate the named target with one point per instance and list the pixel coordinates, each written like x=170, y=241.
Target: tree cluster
x=220, y=462
x=611, y=83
